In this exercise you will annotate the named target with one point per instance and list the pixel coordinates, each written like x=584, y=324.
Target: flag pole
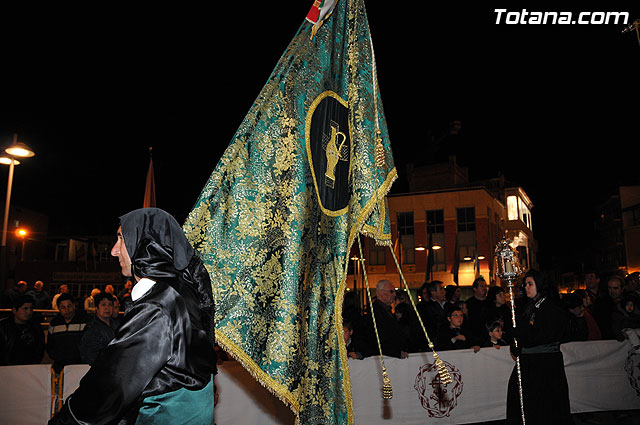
x=150, y=186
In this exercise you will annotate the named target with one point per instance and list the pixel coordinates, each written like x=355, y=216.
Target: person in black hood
x=541, y=326
x=159, y=368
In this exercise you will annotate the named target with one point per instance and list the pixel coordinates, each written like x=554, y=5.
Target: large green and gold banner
x=306, y=172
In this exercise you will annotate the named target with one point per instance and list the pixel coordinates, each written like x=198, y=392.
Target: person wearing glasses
x=452, y=336
x=392, y=338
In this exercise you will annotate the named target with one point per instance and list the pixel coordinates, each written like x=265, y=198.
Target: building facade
x=450, y=234
x=618, y=231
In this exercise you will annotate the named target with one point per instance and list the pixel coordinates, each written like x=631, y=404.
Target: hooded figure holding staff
x=541, y=327
x=159, y=368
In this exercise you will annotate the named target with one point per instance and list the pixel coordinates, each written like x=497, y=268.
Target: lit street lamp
x=430, y=252
x=16, y=149
x=22, y=233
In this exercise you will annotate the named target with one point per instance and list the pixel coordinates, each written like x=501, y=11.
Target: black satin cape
x=541, y=327
x=166, y=339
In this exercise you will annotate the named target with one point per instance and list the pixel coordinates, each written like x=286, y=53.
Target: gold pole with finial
x=508, y=269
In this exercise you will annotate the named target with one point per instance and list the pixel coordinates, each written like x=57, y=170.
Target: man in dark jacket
x=607, y=303
x=99, y=331
x=21, y=339
x=432, y=311
x=65, y=333
x=392, y=338
x=40, y=296
x=477, y=307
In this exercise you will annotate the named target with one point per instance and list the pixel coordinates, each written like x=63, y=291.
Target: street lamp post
x=22, y=233
x=12, y=164
x=17, y=149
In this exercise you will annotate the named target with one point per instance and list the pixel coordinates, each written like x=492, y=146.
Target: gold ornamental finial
x=387, y=391
x=379, y=149
x=445, y=376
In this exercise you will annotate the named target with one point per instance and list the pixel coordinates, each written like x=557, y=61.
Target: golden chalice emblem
x=335, y=150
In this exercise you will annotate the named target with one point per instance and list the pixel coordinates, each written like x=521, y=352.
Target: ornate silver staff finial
x=508, y=269
x=508, y=266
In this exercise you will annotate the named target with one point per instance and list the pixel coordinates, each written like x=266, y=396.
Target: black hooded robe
x=159, y=367
x=541, y=327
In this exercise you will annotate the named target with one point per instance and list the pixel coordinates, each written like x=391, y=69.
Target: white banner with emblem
x=602, y=375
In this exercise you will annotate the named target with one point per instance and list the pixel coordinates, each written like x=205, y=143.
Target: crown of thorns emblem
x=436, y=398
x=632, y=367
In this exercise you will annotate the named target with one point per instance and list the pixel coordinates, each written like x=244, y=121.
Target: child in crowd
x=452, y=335
x=354, y=350
x=495, y=331
x=625, y=320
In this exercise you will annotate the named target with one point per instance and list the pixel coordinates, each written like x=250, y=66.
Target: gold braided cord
x=54, y=408
x=379, y=150
x=60, y=388
x=374, y=77
x=445, y=376
x=387, y=391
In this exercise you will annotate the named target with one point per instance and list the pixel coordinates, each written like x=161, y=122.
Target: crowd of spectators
x=75, y=335
x=608, y=308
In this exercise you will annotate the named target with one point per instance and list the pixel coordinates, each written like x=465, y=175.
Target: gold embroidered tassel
x=387, y=391
x=445, y=376
x=379, y=150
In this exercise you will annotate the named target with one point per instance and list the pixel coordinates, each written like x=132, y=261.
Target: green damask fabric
x=306, y=172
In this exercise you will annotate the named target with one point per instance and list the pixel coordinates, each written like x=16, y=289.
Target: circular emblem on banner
x=632, y=367
x=329, y=151
x=436, y=398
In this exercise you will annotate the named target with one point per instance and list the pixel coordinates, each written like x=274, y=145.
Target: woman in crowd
x=540, y=328
x=452, y=294
x=592, y=325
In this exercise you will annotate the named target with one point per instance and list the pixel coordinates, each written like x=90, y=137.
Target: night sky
x=554, y=108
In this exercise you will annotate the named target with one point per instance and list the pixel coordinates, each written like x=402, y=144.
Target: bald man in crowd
x=392, y=338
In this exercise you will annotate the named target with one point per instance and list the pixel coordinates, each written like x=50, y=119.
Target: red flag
x=150, y=188
x=320, y=10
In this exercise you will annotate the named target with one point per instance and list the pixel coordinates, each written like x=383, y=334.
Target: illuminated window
x=512, y=207
x=525, y=214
